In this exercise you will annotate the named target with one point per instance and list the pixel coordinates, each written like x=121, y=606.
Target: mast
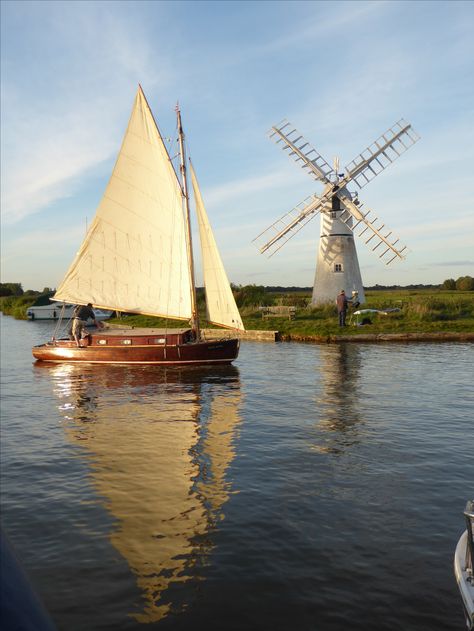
x=189, y=243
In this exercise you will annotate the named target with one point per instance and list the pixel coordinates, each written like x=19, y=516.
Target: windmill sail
x=134, y=256
x=381, y=153
x=283, y=229
x=221, y=307
x=379, y=236
x=301, y=151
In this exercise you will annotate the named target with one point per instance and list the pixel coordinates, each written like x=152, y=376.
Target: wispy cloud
x=248, y=186
x=66, y=240
x=53, y=138
x=465, y=263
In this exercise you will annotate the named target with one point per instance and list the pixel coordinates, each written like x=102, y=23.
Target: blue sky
x=341, y=72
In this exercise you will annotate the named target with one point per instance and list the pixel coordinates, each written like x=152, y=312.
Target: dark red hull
x=142, y=346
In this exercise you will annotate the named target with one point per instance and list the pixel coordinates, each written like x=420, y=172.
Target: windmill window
x=337, y=267
x=126, y=342
x=333, y=214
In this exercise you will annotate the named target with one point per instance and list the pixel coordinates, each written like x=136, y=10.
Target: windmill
x=340, y=209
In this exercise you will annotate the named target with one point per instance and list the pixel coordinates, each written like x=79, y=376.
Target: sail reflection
x=160, y=443
x=340, y=419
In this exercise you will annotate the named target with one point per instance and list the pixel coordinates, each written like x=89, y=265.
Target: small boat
x=464, y=565
x=137, y=258
x=56, y=310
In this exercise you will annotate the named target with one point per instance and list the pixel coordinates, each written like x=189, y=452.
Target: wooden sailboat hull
x=136, y=347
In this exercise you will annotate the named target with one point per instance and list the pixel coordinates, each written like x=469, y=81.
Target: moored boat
x=56, y=310
x=464, y=565
x=137, y=257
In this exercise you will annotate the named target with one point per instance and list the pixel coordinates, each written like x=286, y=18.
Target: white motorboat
x=464, y=565
x=54, y=311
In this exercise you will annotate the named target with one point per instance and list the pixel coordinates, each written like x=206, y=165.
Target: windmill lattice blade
x=301, y=151
x=379, y=237
x=283, y=229
x=381, y=153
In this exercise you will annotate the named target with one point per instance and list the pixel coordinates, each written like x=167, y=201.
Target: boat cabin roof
x=138, y=331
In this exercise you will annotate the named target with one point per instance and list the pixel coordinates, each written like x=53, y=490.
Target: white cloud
x=55, y=137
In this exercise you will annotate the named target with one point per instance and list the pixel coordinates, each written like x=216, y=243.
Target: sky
x=341, y=72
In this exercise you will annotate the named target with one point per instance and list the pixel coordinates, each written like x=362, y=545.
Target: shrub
x=449, y=283
x=465, y=283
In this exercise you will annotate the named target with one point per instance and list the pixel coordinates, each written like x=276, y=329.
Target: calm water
x=307, y=487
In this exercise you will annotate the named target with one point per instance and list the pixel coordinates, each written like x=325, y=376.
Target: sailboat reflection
x=161, y=442
x=338, y=403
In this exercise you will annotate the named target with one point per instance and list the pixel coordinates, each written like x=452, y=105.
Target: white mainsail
x=134, y=255
x=221, y=307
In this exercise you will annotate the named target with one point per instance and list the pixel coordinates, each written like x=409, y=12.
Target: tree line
x=463, y=283
x=254, y=294
x=16, y=289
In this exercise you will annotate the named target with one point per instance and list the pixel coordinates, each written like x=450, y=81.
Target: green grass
x=421, y=311
x=16, y=306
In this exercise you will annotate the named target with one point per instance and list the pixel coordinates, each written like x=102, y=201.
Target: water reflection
x=339, y=402
x=160, y=442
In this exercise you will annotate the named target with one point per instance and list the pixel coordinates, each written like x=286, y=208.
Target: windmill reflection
x=340, y=418
x=160, y=443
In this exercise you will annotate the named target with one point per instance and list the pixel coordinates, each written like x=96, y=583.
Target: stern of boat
x=464, y=565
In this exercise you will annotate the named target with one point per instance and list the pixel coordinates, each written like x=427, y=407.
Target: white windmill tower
x=341, y=212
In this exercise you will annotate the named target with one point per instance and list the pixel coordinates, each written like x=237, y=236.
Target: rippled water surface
x=306, y=487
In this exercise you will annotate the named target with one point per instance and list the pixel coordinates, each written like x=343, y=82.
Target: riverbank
x=395, y=315
x=277, y=336
x=382, y=337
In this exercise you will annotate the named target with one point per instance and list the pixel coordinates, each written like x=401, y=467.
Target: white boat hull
x=53, y=312
x=464, y=579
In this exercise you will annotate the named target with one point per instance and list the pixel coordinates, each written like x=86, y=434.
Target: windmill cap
x=342, y=291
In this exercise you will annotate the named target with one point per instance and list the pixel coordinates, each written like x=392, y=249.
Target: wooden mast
x=189, y=243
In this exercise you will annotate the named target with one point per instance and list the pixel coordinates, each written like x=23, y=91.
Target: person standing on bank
x=342, y=302
x=81, y=314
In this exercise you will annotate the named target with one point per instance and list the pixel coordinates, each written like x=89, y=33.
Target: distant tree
x=465, y=283
x=249, y=295
x=11, y=289
x=449, y=283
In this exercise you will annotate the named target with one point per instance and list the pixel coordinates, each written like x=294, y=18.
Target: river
x=307, y=487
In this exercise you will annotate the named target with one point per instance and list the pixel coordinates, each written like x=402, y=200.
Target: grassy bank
x=16, y=306
x=421, y=311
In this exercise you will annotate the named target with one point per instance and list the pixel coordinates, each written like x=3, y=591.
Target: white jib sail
x=134, y=255
x=221, y=307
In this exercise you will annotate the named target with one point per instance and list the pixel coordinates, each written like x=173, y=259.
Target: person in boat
x=79, y=322
x=341, y=303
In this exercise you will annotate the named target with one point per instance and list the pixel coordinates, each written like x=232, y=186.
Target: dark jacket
x=83, y=312
x=341, y=302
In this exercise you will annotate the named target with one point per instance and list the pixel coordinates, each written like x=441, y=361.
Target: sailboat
x=137, y=257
